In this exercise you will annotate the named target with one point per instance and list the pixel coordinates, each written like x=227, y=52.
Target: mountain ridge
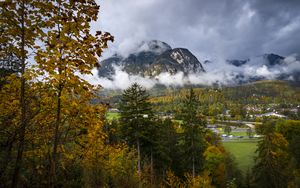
x=152, y=58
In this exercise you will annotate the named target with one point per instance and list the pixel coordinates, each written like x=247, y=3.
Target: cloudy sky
x=210, y=29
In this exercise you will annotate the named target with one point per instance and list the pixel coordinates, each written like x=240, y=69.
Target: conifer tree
x=136, y=118
x=193, y=126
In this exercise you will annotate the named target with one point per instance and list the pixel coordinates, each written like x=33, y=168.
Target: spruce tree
x=193, y=126
x=136, y=119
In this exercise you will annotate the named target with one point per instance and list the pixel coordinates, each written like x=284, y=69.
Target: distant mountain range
x=271, y=62
x=153, y=58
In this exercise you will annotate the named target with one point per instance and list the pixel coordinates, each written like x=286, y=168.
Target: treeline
x=169, y=154
x=240, y=102
x=188, y=155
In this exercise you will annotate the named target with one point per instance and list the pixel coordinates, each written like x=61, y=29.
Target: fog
x=218, y=72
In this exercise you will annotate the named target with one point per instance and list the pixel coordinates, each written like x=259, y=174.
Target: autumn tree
x=57, y=106
x=9, y=63
x=290, y=129
x=70, y=49
x=20, y=24
x=271, y=164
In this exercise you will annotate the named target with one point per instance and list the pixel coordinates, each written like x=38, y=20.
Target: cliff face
x=151, y=59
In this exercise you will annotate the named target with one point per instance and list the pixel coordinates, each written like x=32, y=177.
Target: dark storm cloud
x=211, y=29
x=214, y=29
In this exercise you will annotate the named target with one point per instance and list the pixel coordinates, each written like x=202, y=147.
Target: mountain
x=274, y=65
x=151, y=59
x=174, y=61
x=237, y=62
x=273, y=59
x=266, y=59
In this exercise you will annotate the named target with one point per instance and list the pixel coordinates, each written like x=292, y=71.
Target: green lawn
x=243, y=152
x=239, y=134
x=112, y=115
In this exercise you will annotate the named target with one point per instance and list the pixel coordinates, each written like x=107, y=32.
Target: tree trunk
x=139, y=157
x=151, y=160
x=22, y=103
x=55, y=139
x=193, y=159
x=139, y=160
x=53, y=158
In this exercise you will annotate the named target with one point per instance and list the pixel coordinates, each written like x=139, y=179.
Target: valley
x=237, y=108
x=178, y=94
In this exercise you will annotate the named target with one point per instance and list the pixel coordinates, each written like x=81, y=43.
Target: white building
x=268, y=114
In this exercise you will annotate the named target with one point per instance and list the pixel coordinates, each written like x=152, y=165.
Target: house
x=270, y=114
x=113, y=110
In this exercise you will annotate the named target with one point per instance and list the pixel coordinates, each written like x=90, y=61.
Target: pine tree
x=193, y=126
x=166, y=150
x=136, y=119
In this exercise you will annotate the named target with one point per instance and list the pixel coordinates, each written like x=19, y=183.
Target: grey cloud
x=210, y=29
x=218, y=72
x=215, y=30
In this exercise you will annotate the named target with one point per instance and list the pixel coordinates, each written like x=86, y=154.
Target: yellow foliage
x=200, y=181
x=172, y=180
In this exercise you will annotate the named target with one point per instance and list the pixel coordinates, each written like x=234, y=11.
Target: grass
x=112, y=115
x=239, y=134
x=244, y=153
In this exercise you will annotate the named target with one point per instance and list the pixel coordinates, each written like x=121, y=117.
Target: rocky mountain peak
x=273, y=59
x=155, y=46
x=151, y=59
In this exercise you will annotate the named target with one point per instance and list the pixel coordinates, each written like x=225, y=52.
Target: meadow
x=243, y=152
x=112, y=115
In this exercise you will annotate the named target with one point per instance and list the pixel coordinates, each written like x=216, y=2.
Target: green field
x=112, y=115
x=243, y=152
x=236, y=133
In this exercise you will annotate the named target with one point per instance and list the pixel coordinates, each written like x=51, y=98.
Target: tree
x=20, y=26
x=215, y=164
x=165, y=150
x=135, y=117
x=271, y=166
x=290, y=129
x=193, y=126
x=9, y=63
x=227, y=129
x=49, y=120
x=69, y=48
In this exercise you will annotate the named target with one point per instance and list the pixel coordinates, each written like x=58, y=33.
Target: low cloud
x=217, y=72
